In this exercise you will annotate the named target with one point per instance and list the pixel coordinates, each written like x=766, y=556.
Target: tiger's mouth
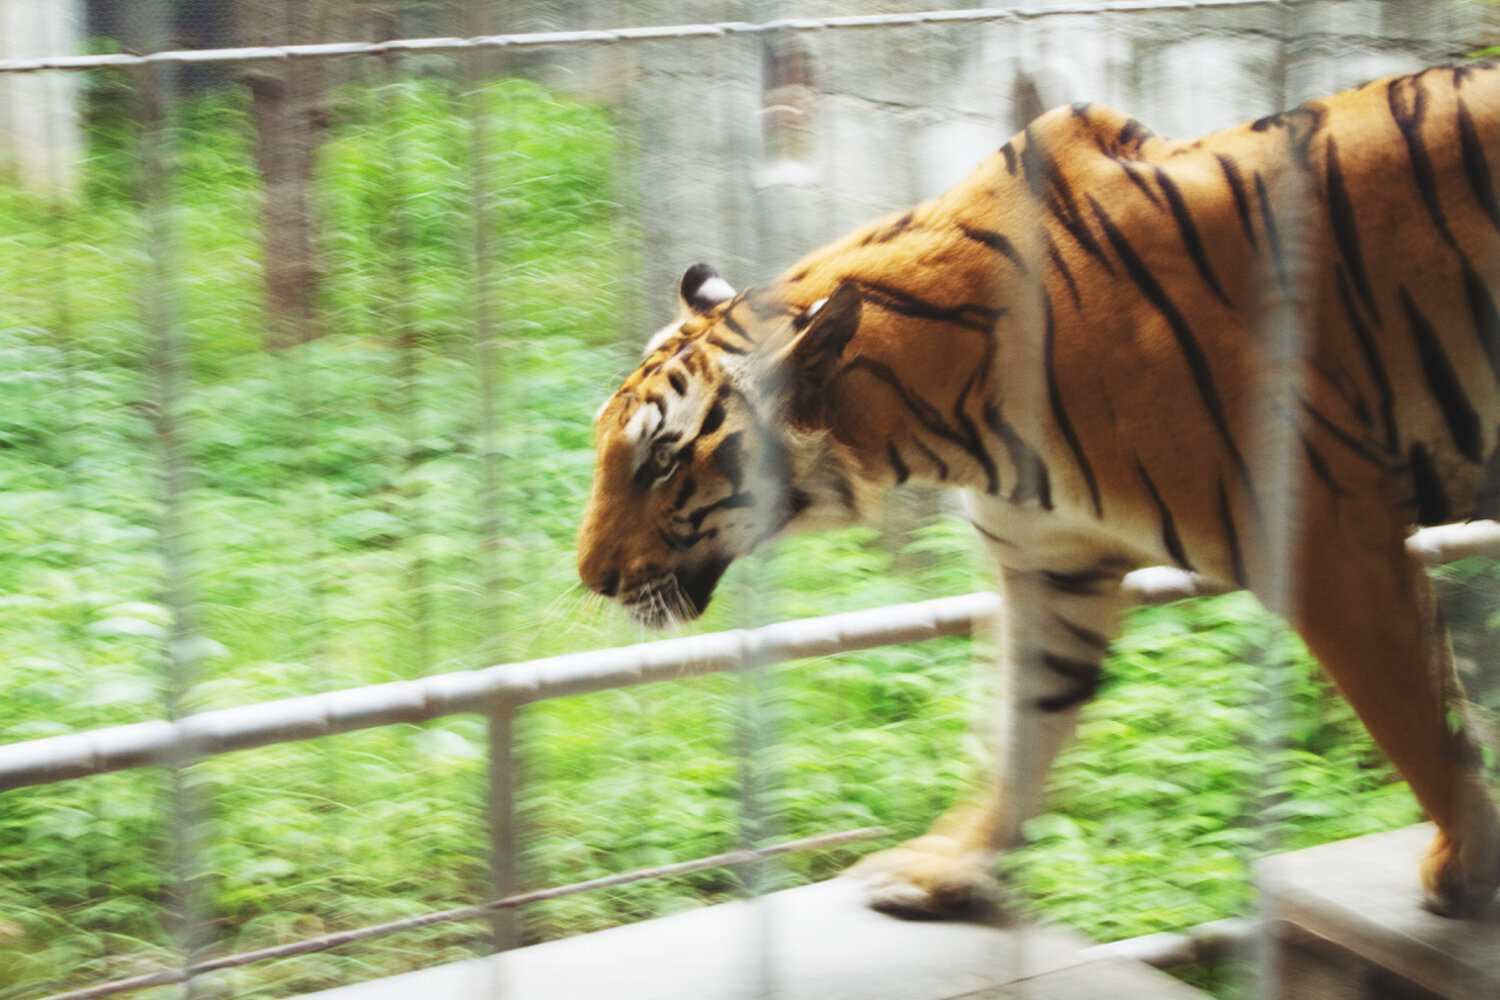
x=678, y=597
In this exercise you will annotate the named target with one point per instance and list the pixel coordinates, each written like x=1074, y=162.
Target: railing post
x=504, y=870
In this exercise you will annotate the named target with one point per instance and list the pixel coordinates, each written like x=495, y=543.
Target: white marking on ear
x=602, y=407
x=808, y=313
x=715, y=290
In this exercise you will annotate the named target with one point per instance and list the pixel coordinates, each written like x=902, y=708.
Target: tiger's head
x=714, y=445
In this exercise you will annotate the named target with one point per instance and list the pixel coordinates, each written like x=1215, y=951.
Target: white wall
x=40, y=139
x=900, y=114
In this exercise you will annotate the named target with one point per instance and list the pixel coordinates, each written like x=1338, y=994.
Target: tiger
x=1263, y=356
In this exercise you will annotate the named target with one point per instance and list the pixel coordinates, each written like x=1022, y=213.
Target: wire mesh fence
x=302, y=335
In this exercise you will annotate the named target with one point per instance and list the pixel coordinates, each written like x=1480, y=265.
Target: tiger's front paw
x=932, y=876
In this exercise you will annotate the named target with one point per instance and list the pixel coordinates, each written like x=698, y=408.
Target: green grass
x=336, y=513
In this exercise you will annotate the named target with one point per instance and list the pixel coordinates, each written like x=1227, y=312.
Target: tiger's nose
x=608, y=584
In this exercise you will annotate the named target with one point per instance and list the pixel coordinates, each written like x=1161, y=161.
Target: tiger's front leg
x=1056, y=624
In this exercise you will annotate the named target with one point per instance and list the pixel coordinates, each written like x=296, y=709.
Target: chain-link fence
x=302, y=332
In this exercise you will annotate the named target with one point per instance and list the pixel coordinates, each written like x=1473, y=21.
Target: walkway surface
x=814, y=943
x=1352, y=915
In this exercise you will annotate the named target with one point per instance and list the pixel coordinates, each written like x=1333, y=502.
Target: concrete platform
x=1350, y=924
x=818, y=942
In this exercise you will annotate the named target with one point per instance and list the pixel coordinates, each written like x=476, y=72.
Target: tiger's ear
x=800, y=372
x=701, y=289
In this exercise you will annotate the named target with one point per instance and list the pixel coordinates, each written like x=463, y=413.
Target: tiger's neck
x=947, y=300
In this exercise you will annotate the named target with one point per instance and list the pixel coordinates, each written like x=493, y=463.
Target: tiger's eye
x=662, y=458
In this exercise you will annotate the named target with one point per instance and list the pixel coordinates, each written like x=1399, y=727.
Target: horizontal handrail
x=99, y=751
x=119, y=60
x=119, y=748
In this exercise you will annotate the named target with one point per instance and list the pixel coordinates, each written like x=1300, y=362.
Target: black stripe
x=1086, y=636
x=1192, y=351
x=996, y=242
x=712, y=420
x=1432, y=499
x=678, y=383
x=1373, y=362
x=926, y=414
x=971, y=433
x=968, y=315
x=1169, y=536
x=887, y=233
x=728, y=320
x=1067, y=700
x=1005, y=542
x=933, y=457
x=1241, y=200
x=1476, y=167
x=799, y=500
x=1320, y=467
x=903, y=473
x=1083, y=675
x=1487, y=499
x=1189, y=231
x=1009, y=152
x=1486, y=318
x=1061, y=266
x=689, y=485
x=735, y=501
x=1133, y=133
x=1072, y=669
x=1273, y=240
x=1351, y=392
x=1443, y=382
x=675, y=543
x=1408, y=104
x=1232, y=539
x=1139, y=181
x=728, y=458
x=1094, y=581
x=1060, y=413
x=726, y=346
x=1048, y=183
x=1032, y=479
x=1342, y=436
x=1345, y=229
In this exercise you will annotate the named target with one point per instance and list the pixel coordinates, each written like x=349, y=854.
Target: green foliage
x=352, y=520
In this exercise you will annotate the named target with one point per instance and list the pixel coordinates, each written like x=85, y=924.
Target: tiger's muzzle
x=674, y=597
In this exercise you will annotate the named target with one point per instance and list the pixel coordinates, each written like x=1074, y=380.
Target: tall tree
x=291, y=114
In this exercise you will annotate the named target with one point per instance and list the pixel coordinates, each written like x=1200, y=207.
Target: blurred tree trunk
x=288, y=101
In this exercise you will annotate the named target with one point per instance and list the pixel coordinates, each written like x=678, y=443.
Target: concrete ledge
x=1362, y=899
x=818, y=942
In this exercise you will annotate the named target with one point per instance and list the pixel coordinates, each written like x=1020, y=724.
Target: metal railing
x=545, y=39
x=498, y=692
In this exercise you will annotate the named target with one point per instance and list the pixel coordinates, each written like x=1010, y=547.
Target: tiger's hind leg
x=1056, y=624
x=1366, y=609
